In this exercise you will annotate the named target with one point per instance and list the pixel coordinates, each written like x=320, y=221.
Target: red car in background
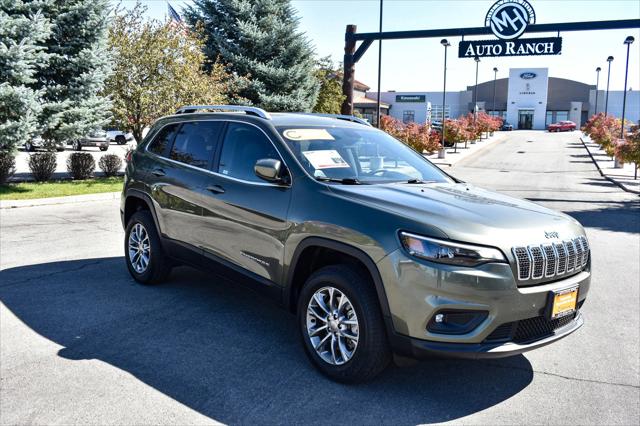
x=562, y=126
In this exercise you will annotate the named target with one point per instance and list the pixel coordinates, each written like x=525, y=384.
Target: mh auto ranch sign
x=508, y=20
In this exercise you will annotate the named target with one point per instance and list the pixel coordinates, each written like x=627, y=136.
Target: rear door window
x=161, y=144
x=196, y=142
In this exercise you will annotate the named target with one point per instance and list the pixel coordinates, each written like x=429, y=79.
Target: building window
x=408, y=116
x=436, y=112
x=562, y=115
x=549, y=119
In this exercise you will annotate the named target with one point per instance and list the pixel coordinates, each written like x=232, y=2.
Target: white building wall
x=529, y=94
x=457, y=103
x=632, y=112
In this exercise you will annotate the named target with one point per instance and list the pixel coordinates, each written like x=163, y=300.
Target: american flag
x=175, y=16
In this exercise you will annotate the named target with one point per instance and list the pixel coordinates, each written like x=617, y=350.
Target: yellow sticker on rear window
x=307, y=134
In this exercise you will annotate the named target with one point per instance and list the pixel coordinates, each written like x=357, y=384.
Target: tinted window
x=243, y=146
x=161, y=143
x=196, y=142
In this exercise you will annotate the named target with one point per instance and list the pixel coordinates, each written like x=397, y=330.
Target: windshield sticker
x=325, y=159
x=307, y=134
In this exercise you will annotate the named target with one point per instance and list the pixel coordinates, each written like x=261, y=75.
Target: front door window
x=525, y=119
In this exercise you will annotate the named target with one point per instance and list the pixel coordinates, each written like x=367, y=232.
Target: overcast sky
x=416, y=65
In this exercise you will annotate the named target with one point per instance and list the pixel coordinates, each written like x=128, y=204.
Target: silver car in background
x=97, y=138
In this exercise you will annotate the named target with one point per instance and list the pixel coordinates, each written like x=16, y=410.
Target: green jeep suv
x=374, y=249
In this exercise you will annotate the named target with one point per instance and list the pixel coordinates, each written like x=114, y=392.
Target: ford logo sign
x=528, y=75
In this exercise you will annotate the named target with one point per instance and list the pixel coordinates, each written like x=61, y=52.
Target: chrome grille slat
x=535, y=262
x=523, y=261
x=552, y=260
x=571, y=255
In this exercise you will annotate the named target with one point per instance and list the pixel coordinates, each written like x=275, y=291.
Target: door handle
x=216, y=189
x=158, y=172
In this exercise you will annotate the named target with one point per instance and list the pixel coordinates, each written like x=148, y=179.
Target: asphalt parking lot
x=82, y=343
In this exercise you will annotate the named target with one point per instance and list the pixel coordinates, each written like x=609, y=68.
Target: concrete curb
x=604, y=175
x=453, y=159
x=70, y=199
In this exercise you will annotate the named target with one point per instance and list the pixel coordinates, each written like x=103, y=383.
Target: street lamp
x=628, y=42
x=475, y=92
x=446, y=44
x=493, y=105
x=597, y=82
x=606, y=99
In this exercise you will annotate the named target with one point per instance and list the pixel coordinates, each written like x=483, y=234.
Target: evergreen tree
x=260, y=39
x=22, y=27
x=78, y=64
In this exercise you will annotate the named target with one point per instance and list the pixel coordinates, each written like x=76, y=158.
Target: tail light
x=128, y=155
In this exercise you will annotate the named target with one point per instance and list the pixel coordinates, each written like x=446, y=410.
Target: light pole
x=628, y=42
x=379, y=71
x=444, y=42
x=493, y=104
x=606, y=98
x=475, y=91
x=597, y=82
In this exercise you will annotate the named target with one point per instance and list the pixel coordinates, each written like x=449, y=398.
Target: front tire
x=103, y=148
x=341, y=324
x=145, y=258
x=77, y=146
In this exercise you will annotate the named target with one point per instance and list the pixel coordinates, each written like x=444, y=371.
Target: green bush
x=110, y=164
x=81, y=165
x=42, y=165
x=7, y=166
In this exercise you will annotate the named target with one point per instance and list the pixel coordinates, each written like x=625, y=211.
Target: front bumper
x=420, y=349
x=418, y=290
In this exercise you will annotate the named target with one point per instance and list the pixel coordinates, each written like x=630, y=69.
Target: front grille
x=529, y=329
x=549, y=260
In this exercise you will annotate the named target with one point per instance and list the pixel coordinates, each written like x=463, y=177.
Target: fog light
x=456, y=321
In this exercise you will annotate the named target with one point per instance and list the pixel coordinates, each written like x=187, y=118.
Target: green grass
x=30, y=190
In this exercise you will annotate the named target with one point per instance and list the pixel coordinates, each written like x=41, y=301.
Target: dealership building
x=528, y=99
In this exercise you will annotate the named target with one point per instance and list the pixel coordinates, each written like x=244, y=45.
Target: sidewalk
x=622, y=177
x=69, y=199
x=452, y=157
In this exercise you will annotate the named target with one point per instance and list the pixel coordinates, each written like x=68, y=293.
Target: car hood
x=466, y=213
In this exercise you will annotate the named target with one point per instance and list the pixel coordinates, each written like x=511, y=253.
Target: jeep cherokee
x=376, y=250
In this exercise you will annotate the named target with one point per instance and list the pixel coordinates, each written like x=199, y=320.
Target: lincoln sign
x=508, y=20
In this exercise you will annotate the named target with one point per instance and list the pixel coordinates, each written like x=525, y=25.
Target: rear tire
x=371, y=354
x=103, y=148
x=120, y=140
x=77, y=146
x=140, y=234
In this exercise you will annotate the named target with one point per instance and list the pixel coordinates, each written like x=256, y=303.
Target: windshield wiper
x=344, y=181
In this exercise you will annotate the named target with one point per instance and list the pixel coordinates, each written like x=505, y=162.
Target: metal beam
x=368, y=38
x=534, y=28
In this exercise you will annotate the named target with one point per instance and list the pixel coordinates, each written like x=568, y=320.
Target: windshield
x=362, y=155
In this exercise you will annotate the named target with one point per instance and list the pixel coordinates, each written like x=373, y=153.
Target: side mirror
x=269, y=170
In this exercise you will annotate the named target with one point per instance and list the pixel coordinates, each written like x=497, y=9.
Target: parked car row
x=97, y=138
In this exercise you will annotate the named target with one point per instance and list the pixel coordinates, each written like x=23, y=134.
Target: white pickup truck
x=119, y=136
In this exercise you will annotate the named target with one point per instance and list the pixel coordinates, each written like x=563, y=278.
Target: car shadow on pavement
x=230, y=354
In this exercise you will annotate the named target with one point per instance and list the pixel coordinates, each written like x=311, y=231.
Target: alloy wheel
x=139, y=248
x=332, y=325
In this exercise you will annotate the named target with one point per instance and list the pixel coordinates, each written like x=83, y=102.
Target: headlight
x=448, y=252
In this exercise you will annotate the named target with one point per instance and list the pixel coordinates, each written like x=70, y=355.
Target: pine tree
x=78, y=64
x=22, y=27
x=260, y=39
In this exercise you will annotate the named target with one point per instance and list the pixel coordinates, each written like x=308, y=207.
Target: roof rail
x=340, y=117
x=258, y=112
